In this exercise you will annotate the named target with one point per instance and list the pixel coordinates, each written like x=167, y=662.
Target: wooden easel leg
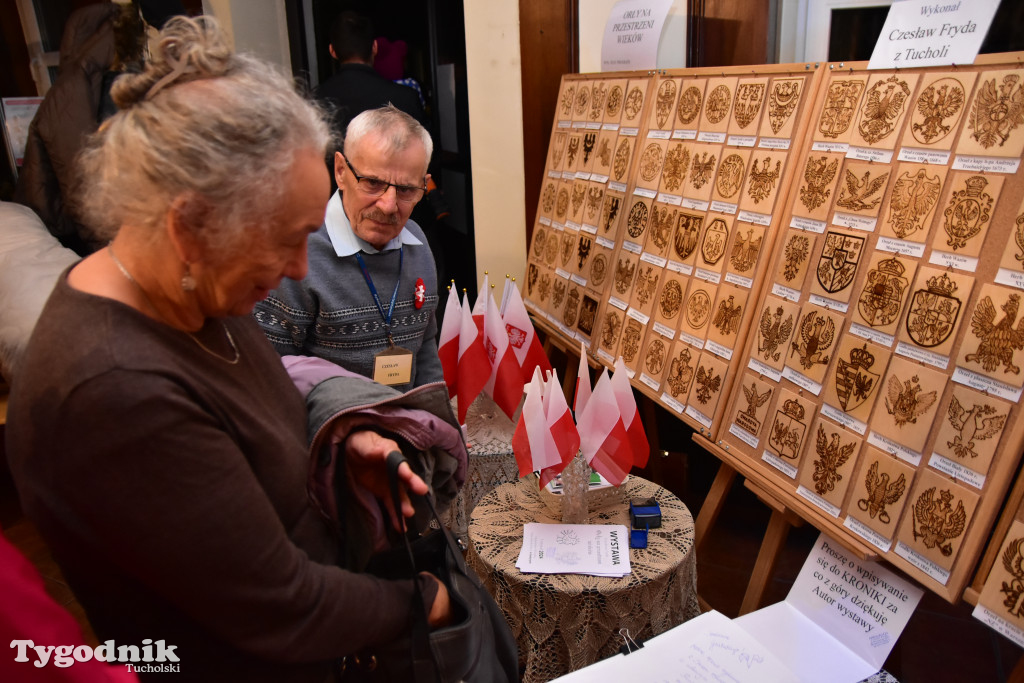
x=774, y=539
x=713, y=504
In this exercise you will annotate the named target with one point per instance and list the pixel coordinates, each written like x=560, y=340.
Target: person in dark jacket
x=356, y=86
x=99, y=43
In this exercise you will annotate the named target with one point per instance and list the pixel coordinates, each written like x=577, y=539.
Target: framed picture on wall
x=16, y=113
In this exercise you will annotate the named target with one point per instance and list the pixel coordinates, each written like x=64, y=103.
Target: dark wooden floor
x=941, y=643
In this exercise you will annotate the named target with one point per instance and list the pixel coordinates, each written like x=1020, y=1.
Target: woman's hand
x=441, y=609
x=366, y=454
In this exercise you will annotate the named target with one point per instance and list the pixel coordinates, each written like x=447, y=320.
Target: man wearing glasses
x=367, y=302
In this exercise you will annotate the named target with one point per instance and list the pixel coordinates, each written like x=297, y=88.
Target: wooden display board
x=658, y=216
x=879, y=390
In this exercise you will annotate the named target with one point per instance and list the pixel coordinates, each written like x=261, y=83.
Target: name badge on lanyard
x=393, y=365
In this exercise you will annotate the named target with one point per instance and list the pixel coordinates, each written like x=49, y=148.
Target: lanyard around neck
x=376, y=299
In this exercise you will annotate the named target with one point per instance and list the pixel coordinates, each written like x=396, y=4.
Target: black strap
x=422, y=654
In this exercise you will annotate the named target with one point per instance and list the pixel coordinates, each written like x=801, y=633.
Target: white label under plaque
x=649, y=381
x=922, y=355
x=677, y=267
x=562, y=273
x=659, y=134
x=718, y=349
x=998, y=624
x=850, y=220
x=921, y=562
x=779, y=464
x=891, y=447
x=707, y=136
x=895, y=246
x=724, y=207
x=762, y=369
x=739, y=280
x=708, y=276
x=818, y=501
x=801, y=381
x=638, y=316
x=755, y=218
x=605, y=356
x=664, y=331
x=868, y=534
x=691, y=340
x=632, y=247
x=699, y=416
x=605, y=242
x=785, y=292
x=653, y=259
x=986, y=384
x=629, y=132
x=1005, y=276
x=924, y=156
x=672, y=403
x=843, y=419
x=958, y=261
x=807, y=224
x=684, y=134
x=957, y=471
x=987, y=164
x=830, y=304
x=645, y=192
x=774, y=143
x=545, y=221
x=695, y=204
x=673, y=199
x=820, y=146
x=881, y=156
x=743, y=435
x=880, y=338
x=742, y=140
x=618, y=303
x=578, y=280
x=616, y=187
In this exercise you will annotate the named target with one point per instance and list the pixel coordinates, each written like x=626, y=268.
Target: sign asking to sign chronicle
x=932, y=33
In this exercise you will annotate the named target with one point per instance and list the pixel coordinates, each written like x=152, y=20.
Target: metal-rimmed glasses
x=375, y=187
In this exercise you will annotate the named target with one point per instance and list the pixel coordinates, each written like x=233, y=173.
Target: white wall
x=256, y=26
x=494, y=75
x=593, y=17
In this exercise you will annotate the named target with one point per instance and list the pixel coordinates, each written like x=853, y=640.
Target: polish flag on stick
x=473, y=366
x=522, y=336
x=504, y=380
x=583, y=389
x=561, y=427
x=532, y=443
x=603, y=437
x=630, y=414
x=448, y=344
x=480, y=307
x=506, y=292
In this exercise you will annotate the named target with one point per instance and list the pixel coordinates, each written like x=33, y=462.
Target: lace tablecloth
x=563, y=622
x=491, y=461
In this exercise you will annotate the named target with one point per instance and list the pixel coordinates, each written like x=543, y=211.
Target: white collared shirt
x=345, y=241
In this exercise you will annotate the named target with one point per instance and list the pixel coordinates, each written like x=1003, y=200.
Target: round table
x=563, y=622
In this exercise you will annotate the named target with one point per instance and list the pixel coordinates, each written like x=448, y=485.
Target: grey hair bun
x=190, y=48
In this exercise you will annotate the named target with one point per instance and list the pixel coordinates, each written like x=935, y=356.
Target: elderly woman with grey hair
x=156, y=440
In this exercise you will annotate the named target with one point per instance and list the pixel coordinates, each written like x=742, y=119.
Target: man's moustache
x=381, y=217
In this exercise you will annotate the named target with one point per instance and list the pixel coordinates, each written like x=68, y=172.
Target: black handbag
x=476, y=647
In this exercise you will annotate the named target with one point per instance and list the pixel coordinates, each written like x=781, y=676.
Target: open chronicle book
x=838, y=623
